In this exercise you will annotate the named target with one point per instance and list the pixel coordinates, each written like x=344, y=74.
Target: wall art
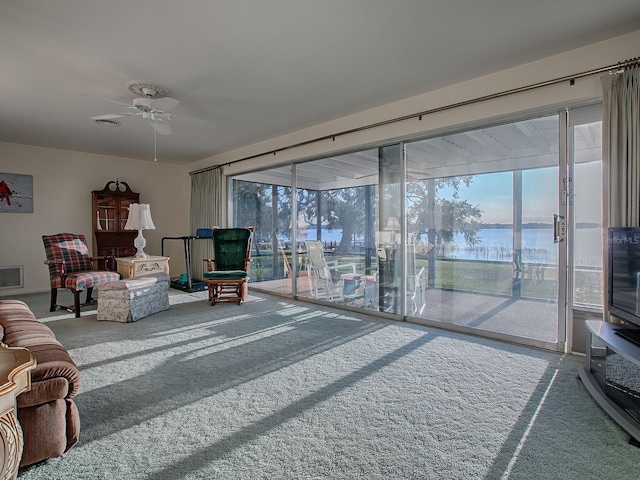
x=16, y=193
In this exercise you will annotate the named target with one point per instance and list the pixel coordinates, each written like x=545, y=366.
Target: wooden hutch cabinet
x=110, y=213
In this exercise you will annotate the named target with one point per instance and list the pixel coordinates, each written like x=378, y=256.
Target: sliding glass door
x=585, y=213
x=480, y=206
x=476, y=229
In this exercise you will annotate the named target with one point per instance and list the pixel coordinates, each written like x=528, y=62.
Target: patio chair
x=226, y=274
x=416, y=285
x=389, y=277
x=71, y=267
x=325, y=280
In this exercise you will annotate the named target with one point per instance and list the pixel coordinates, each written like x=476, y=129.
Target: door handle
x=559, y=228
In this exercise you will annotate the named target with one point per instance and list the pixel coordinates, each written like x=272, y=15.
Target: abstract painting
x=16, y=193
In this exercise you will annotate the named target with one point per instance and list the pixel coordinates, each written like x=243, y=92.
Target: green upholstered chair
x=226, y=274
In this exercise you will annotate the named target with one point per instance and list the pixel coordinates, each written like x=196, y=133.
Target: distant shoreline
x=529, y=226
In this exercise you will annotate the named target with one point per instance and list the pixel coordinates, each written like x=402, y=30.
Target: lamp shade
x=392, y=224
x=139, y=217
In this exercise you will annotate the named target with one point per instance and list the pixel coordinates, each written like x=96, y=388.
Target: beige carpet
x=278, y=389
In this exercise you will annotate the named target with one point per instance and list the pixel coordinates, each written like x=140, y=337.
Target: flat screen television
x=623, y=297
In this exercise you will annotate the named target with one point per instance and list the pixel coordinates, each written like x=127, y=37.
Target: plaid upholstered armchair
x=71, y=267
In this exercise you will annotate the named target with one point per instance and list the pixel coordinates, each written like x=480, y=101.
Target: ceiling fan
x=153, y=103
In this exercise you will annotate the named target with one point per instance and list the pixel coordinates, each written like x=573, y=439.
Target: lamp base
x=140, y=242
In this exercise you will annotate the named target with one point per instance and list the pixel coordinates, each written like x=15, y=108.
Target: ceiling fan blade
x=111, y=116
x=110, y=100
x=161, y=127
x=164, y=104
x=191, y=120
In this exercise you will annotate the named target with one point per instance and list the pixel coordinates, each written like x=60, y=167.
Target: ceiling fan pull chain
x=155, y=137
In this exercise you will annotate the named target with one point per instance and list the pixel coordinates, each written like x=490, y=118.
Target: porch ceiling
x=528, y=144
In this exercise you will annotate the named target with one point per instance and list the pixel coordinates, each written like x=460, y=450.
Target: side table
x=15, y=377
x=129, y=267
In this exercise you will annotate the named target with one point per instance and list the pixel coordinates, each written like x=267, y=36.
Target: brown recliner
x=47, y=413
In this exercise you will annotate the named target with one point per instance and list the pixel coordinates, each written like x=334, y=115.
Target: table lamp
x=139, y=219
x=393, y=226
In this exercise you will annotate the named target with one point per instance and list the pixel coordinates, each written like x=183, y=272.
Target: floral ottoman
x=131, y=299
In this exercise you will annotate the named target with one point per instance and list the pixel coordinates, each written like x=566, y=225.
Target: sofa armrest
x=42, y=392
x=55, y=377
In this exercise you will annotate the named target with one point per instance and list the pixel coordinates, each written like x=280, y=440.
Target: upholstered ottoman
x=131, y=299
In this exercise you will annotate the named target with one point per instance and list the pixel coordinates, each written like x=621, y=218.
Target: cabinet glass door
x=106, y=213
x=124, y=211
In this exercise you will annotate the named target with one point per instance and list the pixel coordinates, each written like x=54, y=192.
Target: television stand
x=630, y=334
x=611, y=375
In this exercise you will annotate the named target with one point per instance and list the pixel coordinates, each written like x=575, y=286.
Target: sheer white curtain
x=620, y=153
x=206, y=212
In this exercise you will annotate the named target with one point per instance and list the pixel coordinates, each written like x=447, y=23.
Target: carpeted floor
x=279, y=389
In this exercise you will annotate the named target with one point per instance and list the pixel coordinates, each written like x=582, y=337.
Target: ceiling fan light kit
x=148, y=90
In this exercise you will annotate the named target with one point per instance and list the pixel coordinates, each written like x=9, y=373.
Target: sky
x=493, y=194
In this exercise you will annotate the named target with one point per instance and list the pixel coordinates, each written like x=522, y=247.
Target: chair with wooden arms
x=226, y=275
x=325, y=277
x=416, y=284
x=71, y=267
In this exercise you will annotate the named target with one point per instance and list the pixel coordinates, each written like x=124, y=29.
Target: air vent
x=11, y=277
x=107, y=123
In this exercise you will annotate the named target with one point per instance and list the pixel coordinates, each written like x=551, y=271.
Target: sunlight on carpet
x=281, y=389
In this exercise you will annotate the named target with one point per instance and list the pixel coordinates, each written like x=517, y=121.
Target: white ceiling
x=259, y=69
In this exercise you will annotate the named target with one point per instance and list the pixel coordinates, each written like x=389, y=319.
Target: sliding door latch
x=559, y=228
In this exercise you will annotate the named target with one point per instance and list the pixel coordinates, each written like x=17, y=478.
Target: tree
x=341, y=209
x=433, y=205
x=444, y=216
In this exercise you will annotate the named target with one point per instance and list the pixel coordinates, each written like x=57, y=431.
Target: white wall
x=62, y=185
x=556, y=97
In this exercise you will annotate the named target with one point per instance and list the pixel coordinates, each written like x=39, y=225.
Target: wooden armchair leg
x=54, y=299
x=76, y=303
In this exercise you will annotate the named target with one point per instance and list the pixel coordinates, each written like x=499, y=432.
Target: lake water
x=496, y=244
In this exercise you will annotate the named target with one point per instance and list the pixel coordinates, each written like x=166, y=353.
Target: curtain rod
x=616, y=68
